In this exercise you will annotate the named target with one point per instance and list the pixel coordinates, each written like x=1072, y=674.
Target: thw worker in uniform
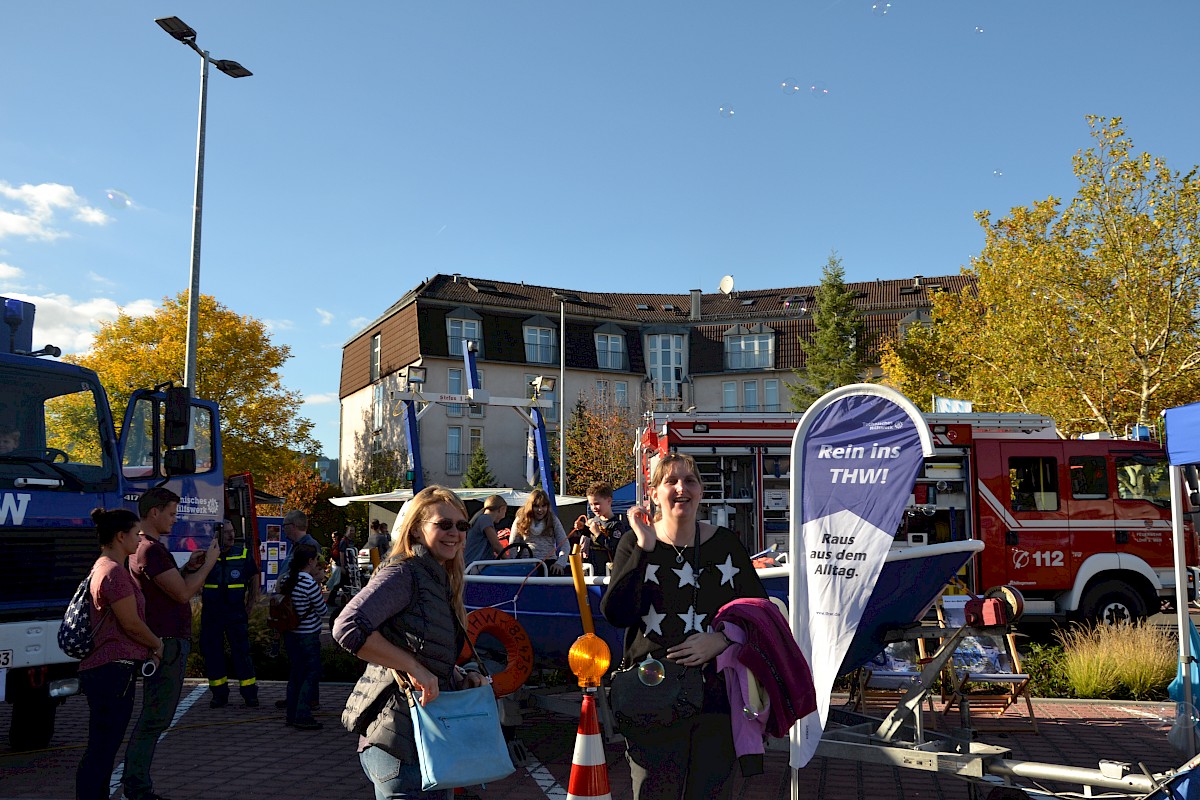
x=230, y=591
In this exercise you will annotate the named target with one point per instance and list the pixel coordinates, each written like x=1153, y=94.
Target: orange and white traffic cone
x=589, y=769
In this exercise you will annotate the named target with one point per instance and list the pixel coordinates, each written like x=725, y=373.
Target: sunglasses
x=446, y=524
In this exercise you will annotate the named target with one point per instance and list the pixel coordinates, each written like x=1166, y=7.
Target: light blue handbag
x=459, y=740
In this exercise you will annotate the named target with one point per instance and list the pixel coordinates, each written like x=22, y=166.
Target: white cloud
x=321, y=398
x=96, y=277
x=279, y=324
x=326, y=316
x=72, y=324
x=31, y=210
x=10, y=273
x=358, y=323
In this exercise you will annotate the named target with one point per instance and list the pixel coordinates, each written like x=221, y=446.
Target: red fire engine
x=1081, y=526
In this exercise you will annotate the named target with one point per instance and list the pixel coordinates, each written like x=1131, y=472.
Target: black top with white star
x=663, y=601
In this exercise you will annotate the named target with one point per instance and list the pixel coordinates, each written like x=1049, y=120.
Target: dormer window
x=463, y=324
x=541, y=340
x=749, y=347
x=610, y=347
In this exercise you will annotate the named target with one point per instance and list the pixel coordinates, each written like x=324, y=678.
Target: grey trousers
x=690, y=760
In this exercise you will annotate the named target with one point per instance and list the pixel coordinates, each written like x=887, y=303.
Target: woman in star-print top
x=656, y=593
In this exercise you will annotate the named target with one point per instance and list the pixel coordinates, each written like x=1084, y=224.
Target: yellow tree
x=1087, y=313
x=237, y=367
x=302, y=488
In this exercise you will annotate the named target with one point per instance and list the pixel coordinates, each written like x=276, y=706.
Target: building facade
x=723, y=351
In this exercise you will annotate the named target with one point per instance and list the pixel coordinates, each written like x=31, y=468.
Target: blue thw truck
x=60, y=457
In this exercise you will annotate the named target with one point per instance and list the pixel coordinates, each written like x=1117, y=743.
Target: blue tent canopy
x=1183, y=434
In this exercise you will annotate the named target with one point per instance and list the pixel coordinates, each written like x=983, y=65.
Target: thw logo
x=14, y=505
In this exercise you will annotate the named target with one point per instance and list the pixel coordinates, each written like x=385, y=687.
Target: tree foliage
x=1088, y=312
x=479, y=474
x=836, y=354
x=302, y=488
x=600, y=437
x=237, y=367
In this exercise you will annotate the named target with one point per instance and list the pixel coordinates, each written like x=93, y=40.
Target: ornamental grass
x=1134, y=662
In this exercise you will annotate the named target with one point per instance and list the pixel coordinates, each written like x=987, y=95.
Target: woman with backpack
x=121, y=642
x=303, y=643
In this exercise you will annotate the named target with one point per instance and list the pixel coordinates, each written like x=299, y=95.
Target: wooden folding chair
x=987, y=657
x=887, y=677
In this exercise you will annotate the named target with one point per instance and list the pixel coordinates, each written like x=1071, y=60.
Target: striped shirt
x=306, y=598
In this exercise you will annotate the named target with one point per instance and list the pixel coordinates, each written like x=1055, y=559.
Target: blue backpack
x=76, y=636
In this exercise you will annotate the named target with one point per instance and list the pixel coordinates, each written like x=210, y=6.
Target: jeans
x=110, y=690
x=160, y=698
x=304, y=673
x=214, y=630
x=394, y=780
x=691, y=759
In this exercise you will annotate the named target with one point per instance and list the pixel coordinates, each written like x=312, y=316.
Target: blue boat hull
x=911, y=580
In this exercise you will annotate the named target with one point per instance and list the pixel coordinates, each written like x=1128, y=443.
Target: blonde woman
x=540, y=529
x=407, y=619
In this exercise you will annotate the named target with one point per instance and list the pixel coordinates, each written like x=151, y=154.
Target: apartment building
x=726, y=350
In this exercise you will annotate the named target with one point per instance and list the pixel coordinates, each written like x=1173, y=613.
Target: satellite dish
x=726, y=285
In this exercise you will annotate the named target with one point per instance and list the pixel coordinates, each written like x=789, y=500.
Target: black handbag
x=680, y=694
x=636, y=705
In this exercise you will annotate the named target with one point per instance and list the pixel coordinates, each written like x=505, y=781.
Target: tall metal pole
x=193, y=316
x=562, y=397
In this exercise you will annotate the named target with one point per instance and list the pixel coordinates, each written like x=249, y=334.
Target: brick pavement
x=249, y=754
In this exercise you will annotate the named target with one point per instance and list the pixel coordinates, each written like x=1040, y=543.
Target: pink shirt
x=112, y=582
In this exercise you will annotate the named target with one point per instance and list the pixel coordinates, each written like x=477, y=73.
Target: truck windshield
x=50, y=431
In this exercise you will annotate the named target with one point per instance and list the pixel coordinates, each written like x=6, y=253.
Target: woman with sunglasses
x=407, y=620
x=540, y=529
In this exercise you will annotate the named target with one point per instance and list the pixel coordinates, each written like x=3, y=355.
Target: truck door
x=1142, y=507
x=1038, y=538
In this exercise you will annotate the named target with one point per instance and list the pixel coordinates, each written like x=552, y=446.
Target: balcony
x=455, y=463
x=541, y=353
x=455, y=345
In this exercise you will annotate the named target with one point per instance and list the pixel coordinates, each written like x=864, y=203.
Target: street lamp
x=181, y=32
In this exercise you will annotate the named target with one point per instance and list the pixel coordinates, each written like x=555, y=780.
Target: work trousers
x=160, y=698
x=214, y=630
x=110, y=690
x=692, y=759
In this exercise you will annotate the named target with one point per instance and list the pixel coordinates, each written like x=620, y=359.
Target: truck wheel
x=32, y=724
x=1112, y=603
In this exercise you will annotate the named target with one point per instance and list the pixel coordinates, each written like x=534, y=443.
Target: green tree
x=479, y=474
x=1087, y=312
x=237, y=367
x=836, y=354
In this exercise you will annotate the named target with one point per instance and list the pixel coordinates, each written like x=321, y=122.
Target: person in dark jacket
x=230, y=592
x=407, y=622
x=671, y=574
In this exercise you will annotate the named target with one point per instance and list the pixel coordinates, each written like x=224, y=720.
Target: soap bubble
x=880, y=8
x=789, y=85
x=749, y=713
x=651, y=672
x=978, y=29
x=118, y=199
x=726, y=111
x=998, y=173
x=818, y=89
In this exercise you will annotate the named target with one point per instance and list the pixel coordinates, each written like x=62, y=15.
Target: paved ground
x=251, y=755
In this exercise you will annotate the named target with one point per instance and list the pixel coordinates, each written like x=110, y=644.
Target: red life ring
x=517, y=647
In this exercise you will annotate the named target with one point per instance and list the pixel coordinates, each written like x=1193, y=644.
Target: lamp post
x=181, y=32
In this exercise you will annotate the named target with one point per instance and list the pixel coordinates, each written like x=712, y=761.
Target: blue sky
x=577, y=145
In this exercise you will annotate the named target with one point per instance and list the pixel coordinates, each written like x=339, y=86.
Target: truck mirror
x=177, y=424
x=179, y=462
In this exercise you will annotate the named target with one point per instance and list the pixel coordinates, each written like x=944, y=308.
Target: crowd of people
x=407, y=623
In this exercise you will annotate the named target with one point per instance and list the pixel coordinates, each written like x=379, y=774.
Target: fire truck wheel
x=32, y=724
x=1112, y=602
